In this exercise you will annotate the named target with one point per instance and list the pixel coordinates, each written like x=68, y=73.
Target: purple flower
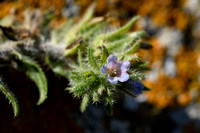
x=137, y=86
x=116, y=70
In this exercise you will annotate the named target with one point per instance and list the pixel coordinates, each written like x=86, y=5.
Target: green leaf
x=139, y=65
x=101, y=89
x=91, y=30
x=92, y=61
x=87, y=16
x=134, y=75
x=59, y=33
x=95, y=97
x=10, y=97
x=83, y=86
x=85, y=102
x=71, y=34
x=115, y=35
x=80, y=61
x=71, y=51
x=120, y=44
x=76, y=77
x=123, y=29
x=133, y=48
x=47, y=18
x=56, y=67
x=146, y=89
x=125, y=91
x=138, y=35
x=131, y=58
x=104, y=55
x=35, y=73
x=108, y=91
x=108, y=99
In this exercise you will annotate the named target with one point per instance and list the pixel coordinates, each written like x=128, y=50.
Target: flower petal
x=113, y=80
x=137, y=91
x=112, y=58
x=137, y=87
x=125, y=65
x=124, y=77
x=103, y=69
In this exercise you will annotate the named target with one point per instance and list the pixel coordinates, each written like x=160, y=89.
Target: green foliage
x=34, y=72
x=133, y=48
x=87, y=81
x=90, y=84
x=146, y=89
x=105, y=55
x=56, y=67
x=80, y=60
x=72, y=51
x=71, y=35
x=75, y=51
x=119, y=41
x=59, y=33
x=115, y=35
x=10, y=97
x=85, y=102
x=92, y=61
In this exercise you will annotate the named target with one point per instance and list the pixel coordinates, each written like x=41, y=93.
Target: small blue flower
x=137, y=86
x=116, y=70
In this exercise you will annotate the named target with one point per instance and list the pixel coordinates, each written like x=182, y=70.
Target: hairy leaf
x=72, y=50
x=35, y=73
x=104, y=55
x=59, y=33
x=85, y=102
x=115, y=35
x=101, y=89
x=56, y=67
x=146, y=89
x=83, y=87
x=125, y=91
x=91, y=60
x=92, y=30
x=10, y=97
x=71, y=34
x=80, y=61
x=133, y=48
x=95, y=97
x=123, y=29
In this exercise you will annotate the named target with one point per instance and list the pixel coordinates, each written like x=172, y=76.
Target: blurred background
x=173, y=105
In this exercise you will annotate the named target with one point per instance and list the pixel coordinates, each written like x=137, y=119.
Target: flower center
x=113, y=73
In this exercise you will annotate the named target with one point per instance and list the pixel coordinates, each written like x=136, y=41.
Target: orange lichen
x=179, y=86
x=21, y=5
x=184, y=99
x=7, y=6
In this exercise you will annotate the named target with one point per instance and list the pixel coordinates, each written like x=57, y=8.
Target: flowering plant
x=97, y=82
x=90, y=79
x=116, y=70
